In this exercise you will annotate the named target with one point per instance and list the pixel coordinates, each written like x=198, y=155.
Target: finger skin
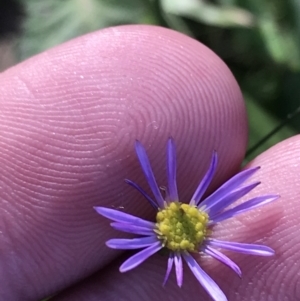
x=68, y=121
x=276, y=225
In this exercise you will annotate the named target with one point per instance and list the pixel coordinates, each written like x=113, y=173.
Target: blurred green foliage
x=258, y=39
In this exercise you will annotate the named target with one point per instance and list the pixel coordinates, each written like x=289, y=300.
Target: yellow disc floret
x=181, y=226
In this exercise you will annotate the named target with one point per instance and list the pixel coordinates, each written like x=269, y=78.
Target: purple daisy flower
x=183, y=229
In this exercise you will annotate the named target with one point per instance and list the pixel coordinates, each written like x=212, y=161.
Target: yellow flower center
x=181, y=227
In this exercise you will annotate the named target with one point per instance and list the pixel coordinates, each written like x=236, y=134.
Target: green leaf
x=51, y=22
x=218, y=15
x=280, y=43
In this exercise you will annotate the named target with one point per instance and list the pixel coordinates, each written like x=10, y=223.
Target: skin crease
x=68, y=121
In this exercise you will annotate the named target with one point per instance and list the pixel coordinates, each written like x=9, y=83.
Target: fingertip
x=68, y=121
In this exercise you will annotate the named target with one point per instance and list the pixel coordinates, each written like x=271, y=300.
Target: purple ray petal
x=132, y=229
x=250, y=249
x=229, y=186
x=122, y=217
x=225, y=201
x=171, y=170
x=205, y=181
x=222, y=258
x=143, y=192
x=140, y=257
x=178, y=269
x=249, y=205
x=208, y=284
x=131, y=244
x=169, y=268
x=145, y=164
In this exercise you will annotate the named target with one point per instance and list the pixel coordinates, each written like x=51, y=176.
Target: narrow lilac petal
x=119, y=216
x=250, y=249
x=222, y=258
x=249, y=205
x=130, y=244
x=140, y=257
x=132, y=229
x=145, y=164
x=142, y=191
x=178, y=269
x=208, y=284
x=229, y=186
x=205, y=181
x=171, y=170
x=228, y=199
x=169, y=268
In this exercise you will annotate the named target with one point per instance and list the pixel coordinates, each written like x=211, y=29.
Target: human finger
x=68, y=121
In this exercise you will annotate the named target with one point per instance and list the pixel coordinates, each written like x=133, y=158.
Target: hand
x=68, y=121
